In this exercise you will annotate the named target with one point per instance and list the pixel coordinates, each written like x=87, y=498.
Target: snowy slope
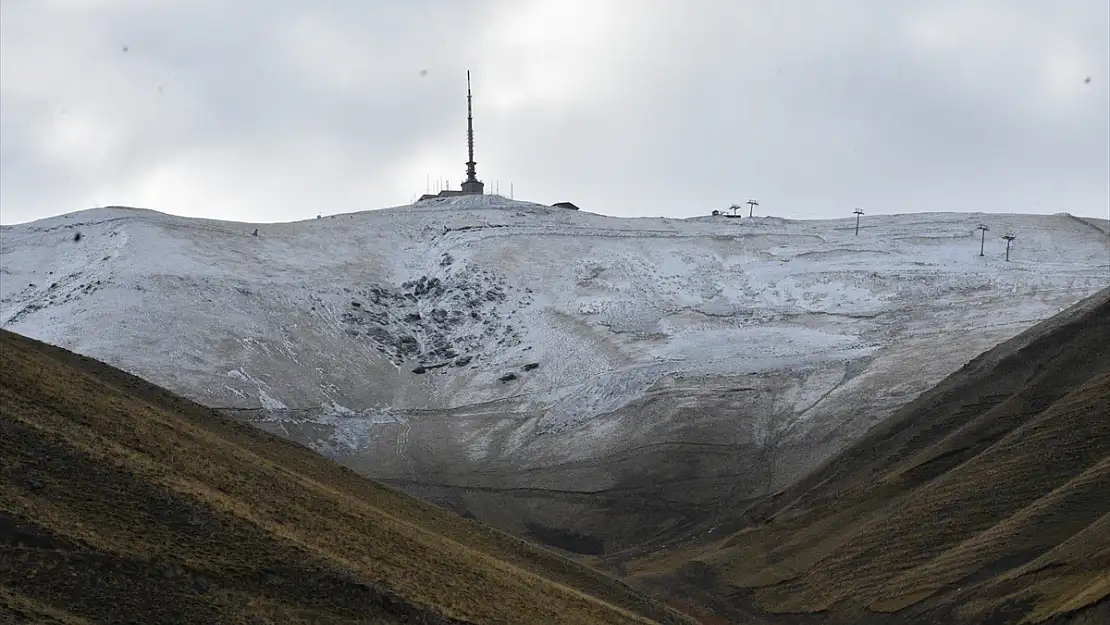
x=479, y=331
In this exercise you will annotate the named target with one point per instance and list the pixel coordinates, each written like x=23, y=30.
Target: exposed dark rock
x=420, y=369
x=508, y=377
x=463, y=361
x=406, y=346
x=531, y=366
x=439, y=314
x=380, y=335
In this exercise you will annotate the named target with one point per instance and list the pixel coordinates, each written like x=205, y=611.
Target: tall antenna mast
x=470, y=130
x=472, y=185
x=471, y=175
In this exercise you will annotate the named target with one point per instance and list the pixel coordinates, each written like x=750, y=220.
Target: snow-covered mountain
x=532, y=353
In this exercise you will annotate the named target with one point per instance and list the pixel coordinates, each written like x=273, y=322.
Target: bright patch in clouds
x=551, y=53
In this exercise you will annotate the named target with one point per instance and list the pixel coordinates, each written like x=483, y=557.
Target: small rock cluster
x=510, y=376
x=68, y=289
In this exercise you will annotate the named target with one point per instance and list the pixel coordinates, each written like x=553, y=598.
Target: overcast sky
x=277, y=110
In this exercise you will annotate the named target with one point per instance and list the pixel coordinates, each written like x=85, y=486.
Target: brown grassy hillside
x=986, y=500
x=120, y=502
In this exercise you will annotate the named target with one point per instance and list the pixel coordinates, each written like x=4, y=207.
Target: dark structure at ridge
x=472, y=186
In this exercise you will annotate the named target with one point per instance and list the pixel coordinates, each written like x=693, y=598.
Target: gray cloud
x=279, y=110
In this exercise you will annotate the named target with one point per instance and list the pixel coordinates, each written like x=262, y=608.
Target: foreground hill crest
x=119, y=500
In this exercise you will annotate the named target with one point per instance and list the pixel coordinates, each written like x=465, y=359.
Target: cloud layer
x=280, y=110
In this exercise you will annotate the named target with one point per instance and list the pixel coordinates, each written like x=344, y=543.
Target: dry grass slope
x=984, y=501
x=120, y=502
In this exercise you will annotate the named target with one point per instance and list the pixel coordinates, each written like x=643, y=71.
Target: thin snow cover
x=454, y=303
x=350, y=429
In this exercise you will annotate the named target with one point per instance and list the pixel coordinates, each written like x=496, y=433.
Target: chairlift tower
x=1009, y=239
x=751, y=206
x=983, y=238
x=857, y=212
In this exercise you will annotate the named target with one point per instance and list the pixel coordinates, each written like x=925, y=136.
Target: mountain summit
x=541, y=368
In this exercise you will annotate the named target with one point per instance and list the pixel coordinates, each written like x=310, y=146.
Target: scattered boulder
x=531, y=366
x=508, y=377
x=406, y=345
x=463, y=361
x=76, y=236
x=420, y=369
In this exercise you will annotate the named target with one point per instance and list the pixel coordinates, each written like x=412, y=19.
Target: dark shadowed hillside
x=120, y=502
x=986, y=500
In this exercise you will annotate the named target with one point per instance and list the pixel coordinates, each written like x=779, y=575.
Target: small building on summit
x=471, y=186
x=568, y=205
